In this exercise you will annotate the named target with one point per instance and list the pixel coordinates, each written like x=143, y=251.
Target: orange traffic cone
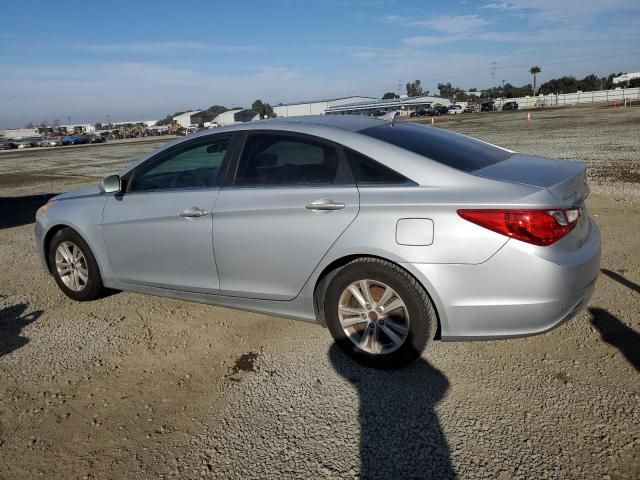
x=433, y=121
x=528, y=116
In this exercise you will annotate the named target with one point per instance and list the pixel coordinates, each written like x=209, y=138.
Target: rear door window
x=457, y=151
x=281, y=159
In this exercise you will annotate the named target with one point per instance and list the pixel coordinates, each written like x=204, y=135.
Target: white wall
x=225, y=118
x=19, y=133
x=184, y=119
x=551, y=100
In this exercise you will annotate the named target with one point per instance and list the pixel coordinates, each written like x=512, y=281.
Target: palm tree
x=535, y=70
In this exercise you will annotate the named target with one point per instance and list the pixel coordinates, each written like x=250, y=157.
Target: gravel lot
x=142, y=387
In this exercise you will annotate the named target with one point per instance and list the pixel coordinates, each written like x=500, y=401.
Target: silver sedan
x=388, y=233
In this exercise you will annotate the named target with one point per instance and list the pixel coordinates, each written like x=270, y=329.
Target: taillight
x=539, y=227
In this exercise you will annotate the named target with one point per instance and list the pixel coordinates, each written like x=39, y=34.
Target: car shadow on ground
x=621, y=280
x=613, y=330
x=12, y=320
x=617, y=334
x=16, y=211
x=400, y=434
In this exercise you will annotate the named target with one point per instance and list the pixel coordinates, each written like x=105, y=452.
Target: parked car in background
x=510, y=106
x=22, y=143
x=395, y=232
x=421, y=112
x=36, y=141
x=470, y=108
x=94, y=138
x=455, y=109
x=379, y=113
x=52, y=142
x=73, y=140
x=488, y=107
x=7, y=144
x=441, y=109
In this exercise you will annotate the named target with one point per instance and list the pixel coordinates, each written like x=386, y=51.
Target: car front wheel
x=378, y=313
x=74, y=267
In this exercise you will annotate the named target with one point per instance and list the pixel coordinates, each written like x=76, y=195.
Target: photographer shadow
x=12, y=321
x=400, y=434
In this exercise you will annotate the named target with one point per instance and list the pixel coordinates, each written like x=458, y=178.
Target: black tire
x=93, y=288
x=423, y=320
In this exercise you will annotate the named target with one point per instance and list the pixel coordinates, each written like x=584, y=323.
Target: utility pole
x=399, y=87
x=493, y=74
x=69, y=120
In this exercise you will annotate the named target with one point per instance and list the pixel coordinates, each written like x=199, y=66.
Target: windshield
x=456, y=151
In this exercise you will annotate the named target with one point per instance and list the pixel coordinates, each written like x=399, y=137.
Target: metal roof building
x=234, y=116
x=405, y=105
x=315, y=107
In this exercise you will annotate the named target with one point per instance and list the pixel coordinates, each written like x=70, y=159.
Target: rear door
x=288, y=199
x=159, y=232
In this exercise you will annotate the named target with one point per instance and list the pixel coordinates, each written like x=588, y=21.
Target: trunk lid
x=566, y=181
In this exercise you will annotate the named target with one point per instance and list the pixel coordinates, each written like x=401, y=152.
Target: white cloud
x=163, y=47
x=456, y=24
x=502, y=6
x=124, y=89
x=444, y=23
x=430, y=40
x=560, y=11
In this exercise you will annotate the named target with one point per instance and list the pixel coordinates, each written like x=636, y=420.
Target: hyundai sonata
x=388, y=233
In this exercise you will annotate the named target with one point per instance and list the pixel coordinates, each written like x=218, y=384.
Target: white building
x=17, y=133
x=626, y=77
x=148, y=123
x=316, y=107
x=405, y=105
x=233, y=116
x=184, y=119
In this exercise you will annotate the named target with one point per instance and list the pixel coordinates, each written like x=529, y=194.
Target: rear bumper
x=515, y=293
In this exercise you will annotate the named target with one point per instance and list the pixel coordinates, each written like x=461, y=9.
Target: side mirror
x=111, y=184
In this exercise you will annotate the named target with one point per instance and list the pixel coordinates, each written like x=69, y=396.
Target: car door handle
x=325, y=204
x=193, y=212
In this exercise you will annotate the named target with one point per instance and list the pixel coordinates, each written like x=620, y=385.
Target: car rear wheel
x=74, y=267
x=378, y=313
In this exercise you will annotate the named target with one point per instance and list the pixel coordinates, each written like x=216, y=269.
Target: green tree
x=168, y=120
x=389, y=96
x=264, y=109
x=30, y=125
x=414, y=89
x=535, y=70
x=215, y=110
x=453, y=93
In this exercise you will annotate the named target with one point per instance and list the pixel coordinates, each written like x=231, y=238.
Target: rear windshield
x=456, y=151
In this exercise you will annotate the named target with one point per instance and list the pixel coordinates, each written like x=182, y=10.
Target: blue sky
x=92, y=59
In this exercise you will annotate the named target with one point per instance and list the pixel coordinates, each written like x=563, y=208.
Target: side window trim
x=186, y=145
x=344, y=168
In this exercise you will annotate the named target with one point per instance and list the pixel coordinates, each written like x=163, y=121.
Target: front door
x=289, y=201
x=159, y=232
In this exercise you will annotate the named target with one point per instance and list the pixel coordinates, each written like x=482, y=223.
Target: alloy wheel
x=71, y=266
x=373, y=316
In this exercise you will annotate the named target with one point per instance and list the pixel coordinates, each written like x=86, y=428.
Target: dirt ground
x=132, y=386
